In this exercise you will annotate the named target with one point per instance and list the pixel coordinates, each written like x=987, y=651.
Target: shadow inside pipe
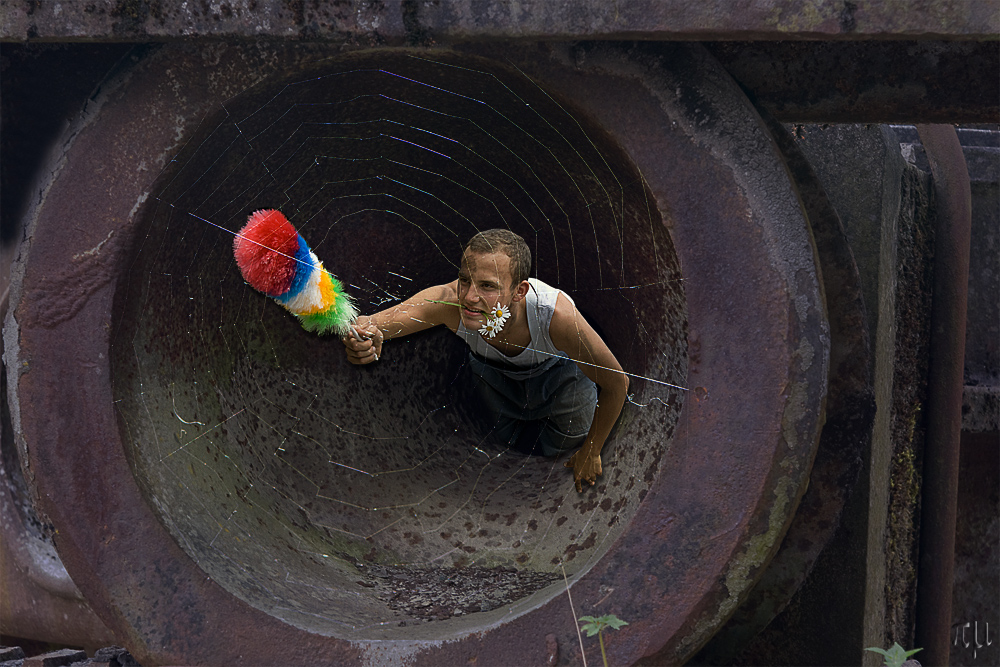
x=362, y=502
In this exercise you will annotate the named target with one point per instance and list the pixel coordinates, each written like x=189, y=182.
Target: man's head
x=494, y=271
x=507, y=243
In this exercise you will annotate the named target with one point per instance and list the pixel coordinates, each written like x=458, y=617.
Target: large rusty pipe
x=953, y=198
x=199, y=535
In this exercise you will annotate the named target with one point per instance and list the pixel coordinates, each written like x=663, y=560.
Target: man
x=539, y=362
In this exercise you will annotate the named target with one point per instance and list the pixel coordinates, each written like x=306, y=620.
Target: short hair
x=507, y=243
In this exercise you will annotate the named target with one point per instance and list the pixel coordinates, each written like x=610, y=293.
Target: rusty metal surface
x=368, y=22
x=719, y=499
x=39, y=599
x=869, y=82
x=981, y=396
x=411, y=20
x=850, y=414
x=981, y=409
x=939, y=501
x=677, y=19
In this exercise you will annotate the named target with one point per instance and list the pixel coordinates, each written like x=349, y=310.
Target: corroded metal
x=939, y=506
x=39, y=600
x=847, y=431
x=869, y=82
x=716, y=502
x=387, y=20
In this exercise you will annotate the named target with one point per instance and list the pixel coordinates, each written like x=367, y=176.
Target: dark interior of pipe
x=362, y=502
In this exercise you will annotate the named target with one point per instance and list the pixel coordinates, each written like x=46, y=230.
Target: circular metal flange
x=725, y=489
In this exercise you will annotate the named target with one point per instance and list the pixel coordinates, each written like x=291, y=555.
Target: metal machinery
x=149, y=398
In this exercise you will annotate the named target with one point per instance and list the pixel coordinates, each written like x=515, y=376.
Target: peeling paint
x=97, y=248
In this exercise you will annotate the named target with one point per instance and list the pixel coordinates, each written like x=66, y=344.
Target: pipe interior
x=361, y=502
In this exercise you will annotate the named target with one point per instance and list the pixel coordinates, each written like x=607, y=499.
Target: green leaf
x=591, y=625
x=615, y=622
x=895, y=656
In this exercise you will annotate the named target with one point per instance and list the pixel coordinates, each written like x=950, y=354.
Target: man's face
x=483, y=281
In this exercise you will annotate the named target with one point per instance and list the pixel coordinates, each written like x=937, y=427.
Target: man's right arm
x=419, y=312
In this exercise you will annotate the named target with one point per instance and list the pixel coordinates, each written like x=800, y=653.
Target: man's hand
x=585, y=469
x=366, y=347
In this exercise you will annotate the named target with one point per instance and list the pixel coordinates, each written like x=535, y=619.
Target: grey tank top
x=541, y=353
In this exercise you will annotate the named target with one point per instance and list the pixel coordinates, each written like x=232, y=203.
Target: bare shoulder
x=568, y=325
x=565, y=313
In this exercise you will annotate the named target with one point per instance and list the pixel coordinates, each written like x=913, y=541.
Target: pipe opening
x=360, y=502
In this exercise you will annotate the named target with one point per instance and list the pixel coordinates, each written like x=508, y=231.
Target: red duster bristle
x=265, y=249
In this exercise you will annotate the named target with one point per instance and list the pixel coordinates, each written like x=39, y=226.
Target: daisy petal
x=491, y=328
x=500, y=313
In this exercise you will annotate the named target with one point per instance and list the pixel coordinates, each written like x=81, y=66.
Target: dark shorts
x=557, y=403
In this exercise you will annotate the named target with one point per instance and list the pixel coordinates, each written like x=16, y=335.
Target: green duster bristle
x=336, y=319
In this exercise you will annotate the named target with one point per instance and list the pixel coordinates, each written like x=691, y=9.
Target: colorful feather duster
x=275, y=260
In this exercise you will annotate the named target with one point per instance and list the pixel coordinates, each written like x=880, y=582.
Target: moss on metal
x=915, y=285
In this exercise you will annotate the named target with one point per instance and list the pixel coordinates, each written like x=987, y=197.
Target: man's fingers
x=363, y=344
x=355, y=344
x=361, y=356
x=361, y=347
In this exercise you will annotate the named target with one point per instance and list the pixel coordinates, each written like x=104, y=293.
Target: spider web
x=357, y=501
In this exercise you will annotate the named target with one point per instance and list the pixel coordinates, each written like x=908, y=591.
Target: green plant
x=595, y=626
x=895, y=656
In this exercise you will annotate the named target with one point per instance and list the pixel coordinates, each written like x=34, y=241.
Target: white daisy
x=491, y=328
x=500, y=313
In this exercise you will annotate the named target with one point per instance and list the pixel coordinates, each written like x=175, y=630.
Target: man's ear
x=521, y=290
